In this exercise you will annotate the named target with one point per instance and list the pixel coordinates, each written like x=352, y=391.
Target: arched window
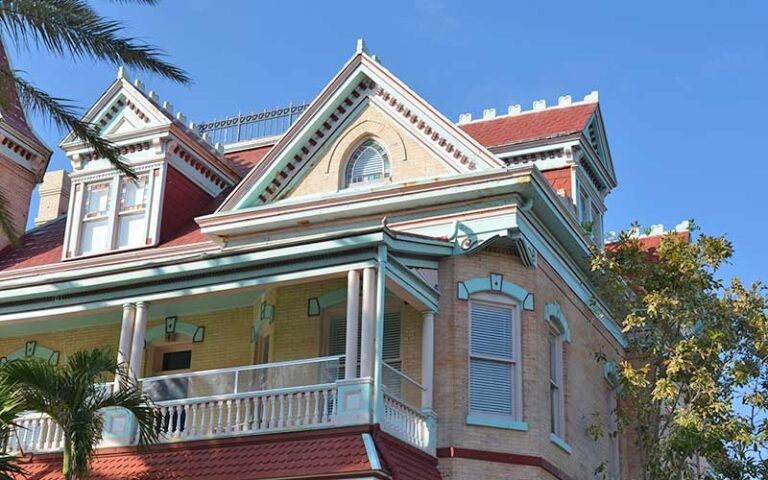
x=368, y=163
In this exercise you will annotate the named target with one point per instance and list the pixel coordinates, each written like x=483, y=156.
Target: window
x=590, y=217
x=114, y=219
x=181, y=360
x=494, y=377
x=556, y=390
x=369, y=163
x=95, y=236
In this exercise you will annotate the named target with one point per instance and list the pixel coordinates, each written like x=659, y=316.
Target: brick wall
x=17, y=185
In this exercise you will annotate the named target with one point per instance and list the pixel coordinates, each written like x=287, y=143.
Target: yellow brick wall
x=66, y=342
x=409, y=159
x=586, y=388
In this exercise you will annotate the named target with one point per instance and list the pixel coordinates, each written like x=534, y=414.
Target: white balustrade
x=35, y=432
x=405, y=422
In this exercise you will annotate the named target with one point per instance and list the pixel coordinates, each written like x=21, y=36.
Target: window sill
x=560, y=443
x=496, y=422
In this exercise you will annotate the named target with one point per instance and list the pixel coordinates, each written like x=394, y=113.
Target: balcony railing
x=252, y=126
x=255, y=399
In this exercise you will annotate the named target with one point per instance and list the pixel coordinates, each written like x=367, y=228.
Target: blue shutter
x=491, y=376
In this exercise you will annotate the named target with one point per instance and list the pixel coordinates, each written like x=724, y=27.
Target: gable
x=362, y=80
x=409, y=158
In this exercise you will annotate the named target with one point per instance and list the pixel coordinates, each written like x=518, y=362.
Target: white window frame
x=556, y=381
x=515, y=361
x=115, y=185
x=387, y=173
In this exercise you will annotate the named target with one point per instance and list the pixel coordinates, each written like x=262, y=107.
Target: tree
x=74, y=396
x=70, y=28
x=694, y=386
x=10, y=408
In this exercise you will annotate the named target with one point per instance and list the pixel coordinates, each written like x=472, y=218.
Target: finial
x=656, y=229
x=168, y=107
x=376, y=58
x=138, y=84
x=684, y=226
x=489, y=113
x=154, y=96
x=120, y=72
x=593, y=97
x=539, y=104
x=465, y=118
x=514, y=109
x=361, y=48
x=564, y=100
x=219, y=147
x=181, y=117
x=192, y=126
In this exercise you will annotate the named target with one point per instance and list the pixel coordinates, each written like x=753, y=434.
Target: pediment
x=363, y=91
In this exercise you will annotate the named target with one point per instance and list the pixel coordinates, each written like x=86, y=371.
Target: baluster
x=290, y=419
x=316, y=416
x=220, y=426
x=281, y=420
x=264, y=421
x=273, y=412
x=324, y=413
x=39, y=431
x=247, y=424
x=335, y=398
x=238, y=420
x=184, y=422
x=228, y=426
x=307, y=415
x=298, y=420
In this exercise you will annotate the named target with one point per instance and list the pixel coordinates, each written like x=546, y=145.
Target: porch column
x=353, y=314
x=139, y=333
x=126, y=337
x=427, y=358
x=368, y=340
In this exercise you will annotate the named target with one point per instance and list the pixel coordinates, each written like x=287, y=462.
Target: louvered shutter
x=338, y=341
x=368, y=163
x=492, y=359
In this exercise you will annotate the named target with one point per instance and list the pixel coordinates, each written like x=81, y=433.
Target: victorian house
x=358, y=287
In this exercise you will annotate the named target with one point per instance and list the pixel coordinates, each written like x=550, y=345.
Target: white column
x=353, y=314
x=367, y=342
x=427, y=358
x=126, y=337
x=139, y=333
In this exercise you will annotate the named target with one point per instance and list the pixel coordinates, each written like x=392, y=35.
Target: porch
x=273, y=358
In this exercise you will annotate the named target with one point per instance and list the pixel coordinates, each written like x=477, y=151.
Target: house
x=357, y=287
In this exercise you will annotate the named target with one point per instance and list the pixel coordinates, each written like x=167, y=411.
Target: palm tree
x=70, y=28
x=73, y=395
x=10, y=408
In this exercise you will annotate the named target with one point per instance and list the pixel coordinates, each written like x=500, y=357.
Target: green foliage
x=73, y=29
x=74, y=396
x=695, y=382
x=10, y=408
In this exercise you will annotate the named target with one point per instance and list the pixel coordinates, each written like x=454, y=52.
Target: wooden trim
x=507, y=458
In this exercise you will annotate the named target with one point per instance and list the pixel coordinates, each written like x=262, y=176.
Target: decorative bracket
x=495, y=283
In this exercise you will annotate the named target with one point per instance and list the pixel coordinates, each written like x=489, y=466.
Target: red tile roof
x=243, y=161
x=531, y=126
x=331, y=453
x=13, y=114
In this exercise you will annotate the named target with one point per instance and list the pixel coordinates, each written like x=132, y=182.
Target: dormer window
x=369, y=163
x=114, y=214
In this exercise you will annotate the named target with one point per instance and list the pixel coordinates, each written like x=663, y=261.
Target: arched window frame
x=352, y=160
x=559, y=333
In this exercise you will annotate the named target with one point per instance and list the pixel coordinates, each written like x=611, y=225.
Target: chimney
x=54, y=196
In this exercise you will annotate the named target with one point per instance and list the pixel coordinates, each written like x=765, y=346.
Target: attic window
x=114, y=214
x=369, y=163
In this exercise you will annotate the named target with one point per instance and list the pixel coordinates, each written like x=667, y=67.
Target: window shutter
x=491, y=330
x=391, y=351
x=369, y=162
x=490, y=387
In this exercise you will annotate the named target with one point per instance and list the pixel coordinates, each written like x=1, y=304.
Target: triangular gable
x=123, y=108
x=361, y=79
x=594, y=131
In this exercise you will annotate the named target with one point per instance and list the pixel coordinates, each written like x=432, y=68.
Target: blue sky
x=682, y=84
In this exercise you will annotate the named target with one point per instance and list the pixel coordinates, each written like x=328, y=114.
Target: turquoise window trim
x=495, y=283
x=33, y=350
x=553, y=310
x=496, y=422
x=565, y=446
x=196, y=332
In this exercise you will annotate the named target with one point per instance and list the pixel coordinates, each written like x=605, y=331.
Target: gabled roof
x=14, y=114
x=533, y=125
x=361, y=76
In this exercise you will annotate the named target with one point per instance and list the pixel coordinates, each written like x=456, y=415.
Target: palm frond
x=64, y=114
x=6, y=220
x=151, y=3
x=73, y=27
x=130, y=397
x=10, y=468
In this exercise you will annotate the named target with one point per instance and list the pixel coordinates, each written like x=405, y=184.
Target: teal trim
x=552, y=311
x=32, y=350
x=196, y=332
x=496, y=422
x=370, y=450
x=495, y=283
x=313, y=307
x=332, y=298
x=560, y=443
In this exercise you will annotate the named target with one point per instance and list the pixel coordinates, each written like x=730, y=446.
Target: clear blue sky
x=682, y=83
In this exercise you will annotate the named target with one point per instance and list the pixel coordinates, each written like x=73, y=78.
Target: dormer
x=178, y=174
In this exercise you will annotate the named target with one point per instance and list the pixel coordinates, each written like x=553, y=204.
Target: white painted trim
x=370, y=450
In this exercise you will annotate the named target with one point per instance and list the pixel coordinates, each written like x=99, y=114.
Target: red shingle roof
x=13, y=114
x=242, y=162
x=331, y=453
x=531, y=126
